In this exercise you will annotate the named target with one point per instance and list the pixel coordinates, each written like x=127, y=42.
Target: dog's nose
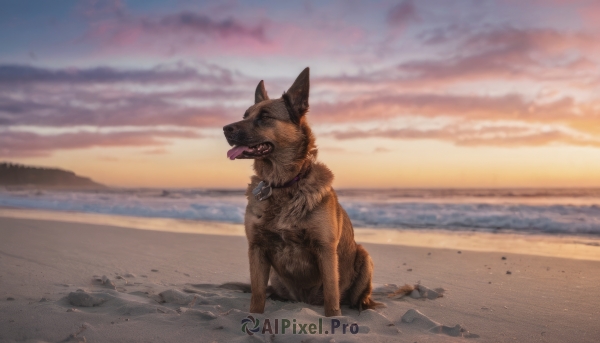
x=228, y=128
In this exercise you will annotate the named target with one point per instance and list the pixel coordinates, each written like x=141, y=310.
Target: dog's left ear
x=296, y=98
x=261, y=93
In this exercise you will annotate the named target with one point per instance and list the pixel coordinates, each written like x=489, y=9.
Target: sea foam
x=546, y=211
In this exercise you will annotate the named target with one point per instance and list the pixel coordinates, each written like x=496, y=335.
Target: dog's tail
x=369, y=303
x=402, y=291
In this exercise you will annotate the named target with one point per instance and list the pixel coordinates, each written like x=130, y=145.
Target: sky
x=404, y=94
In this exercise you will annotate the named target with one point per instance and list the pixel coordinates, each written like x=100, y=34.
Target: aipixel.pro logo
x=251, y=326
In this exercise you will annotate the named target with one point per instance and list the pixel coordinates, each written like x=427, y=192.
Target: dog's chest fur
x=279, y=225
x=288, y=245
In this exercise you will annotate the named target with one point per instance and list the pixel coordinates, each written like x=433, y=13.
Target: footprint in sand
x=175, y=296
x=200, y=314
x=421, y=321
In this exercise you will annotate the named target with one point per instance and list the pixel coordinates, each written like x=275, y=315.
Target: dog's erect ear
x=296, y=98
x=261, y=93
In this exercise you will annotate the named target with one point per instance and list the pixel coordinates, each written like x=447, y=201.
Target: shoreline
x=579, y=247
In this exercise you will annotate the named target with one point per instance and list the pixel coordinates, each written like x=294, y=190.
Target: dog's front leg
x=328, y=263
x=259, y=277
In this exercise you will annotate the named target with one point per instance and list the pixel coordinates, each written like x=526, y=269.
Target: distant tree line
x=19, y=175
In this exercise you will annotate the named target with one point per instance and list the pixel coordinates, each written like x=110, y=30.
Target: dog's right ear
x=296, y=98
x=261, y=93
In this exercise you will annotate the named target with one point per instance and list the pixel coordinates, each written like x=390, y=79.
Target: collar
x=264, y=190
x=305, y=169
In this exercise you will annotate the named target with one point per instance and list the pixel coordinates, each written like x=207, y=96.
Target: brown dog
x=299, y=237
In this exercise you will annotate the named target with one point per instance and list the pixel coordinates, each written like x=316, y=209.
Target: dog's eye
x=263, y=118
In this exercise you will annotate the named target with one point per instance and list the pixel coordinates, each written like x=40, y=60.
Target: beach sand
x=71, y=277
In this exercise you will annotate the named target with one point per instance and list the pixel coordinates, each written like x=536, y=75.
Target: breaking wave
x=567, y=211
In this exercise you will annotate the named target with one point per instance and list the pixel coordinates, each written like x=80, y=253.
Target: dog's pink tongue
x=233, y=153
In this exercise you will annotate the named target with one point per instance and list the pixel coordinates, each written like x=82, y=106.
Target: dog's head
x=273, y=129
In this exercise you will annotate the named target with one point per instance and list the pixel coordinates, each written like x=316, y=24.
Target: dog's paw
x=334, y=312
x=257, y=308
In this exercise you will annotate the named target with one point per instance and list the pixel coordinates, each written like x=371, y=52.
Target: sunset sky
x=424, y=93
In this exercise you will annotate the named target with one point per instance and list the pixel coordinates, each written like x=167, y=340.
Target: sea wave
x=546, y=211
x=571, y=219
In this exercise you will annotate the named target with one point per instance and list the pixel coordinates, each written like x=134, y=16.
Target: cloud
x=14, y=73
x=499, y=58
x=105, y=97
x=505, y=52
x=129, y=110
x=430, y=105
x=591, y=15
x=513, y=64
x=174, y=33
x=380, y=149
x=402, y=14
x=217, y=31
x=210, y=97
x=30, y=144
x=505, y=136
x=565, y=111
x=457, y=64
x=36, y=96
x=200, y=23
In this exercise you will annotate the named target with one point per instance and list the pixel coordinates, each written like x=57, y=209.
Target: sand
x=68, y=279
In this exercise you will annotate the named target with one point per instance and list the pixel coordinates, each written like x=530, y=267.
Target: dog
x=299, y=236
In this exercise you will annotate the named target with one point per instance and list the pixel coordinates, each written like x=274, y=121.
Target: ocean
x=549, y=211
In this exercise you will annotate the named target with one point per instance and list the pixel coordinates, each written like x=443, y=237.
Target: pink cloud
x=402, y=14
x=507, y=53
x=505, y=136
x=29, y=144
x=183, y=32
x=109, y=97
x=387, y=106
x=213, y=33
x=104, y=98
x=591, y=15
x=199, y=23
